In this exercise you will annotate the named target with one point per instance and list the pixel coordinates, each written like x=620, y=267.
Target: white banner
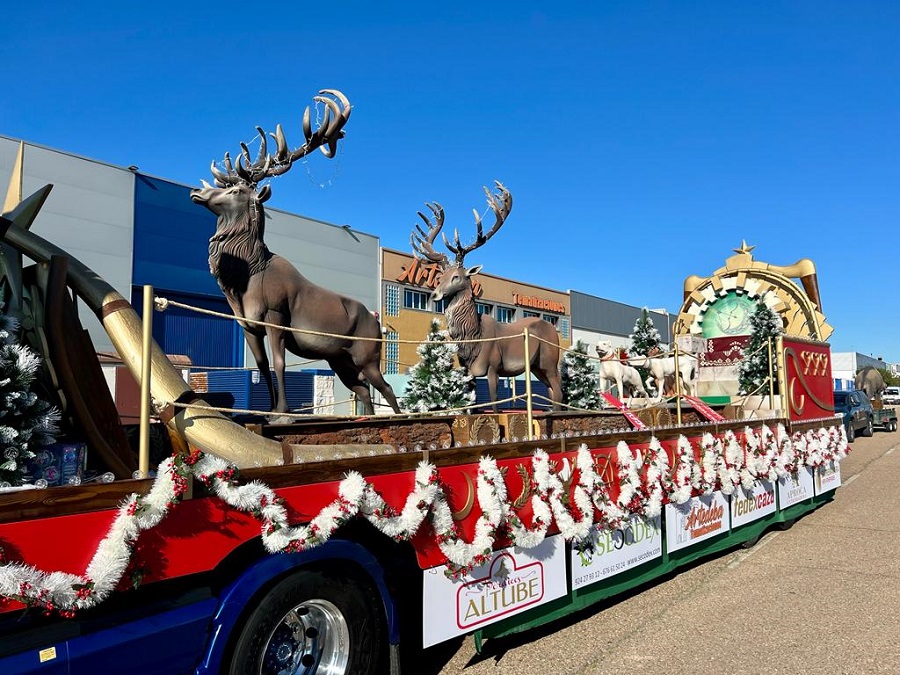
x=697, y=519
x=747, y=506
x=606, y=553
x=828, y=477
x=512, y=581
x=795, y=488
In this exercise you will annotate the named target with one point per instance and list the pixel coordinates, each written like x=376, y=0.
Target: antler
x=501, y=205
x=325, y=138
x=423, y=242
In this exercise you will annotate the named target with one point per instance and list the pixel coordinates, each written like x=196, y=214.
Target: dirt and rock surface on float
x=821, y=597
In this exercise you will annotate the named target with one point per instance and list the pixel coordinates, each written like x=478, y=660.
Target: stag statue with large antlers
x=262, y=286
x=498, y=349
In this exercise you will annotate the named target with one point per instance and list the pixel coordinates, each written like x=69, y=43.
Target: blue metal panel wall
x=298, y=387
x=482, y=395
x=171, y=238
x=247, y=394
x=234, y=382
x=206, y=340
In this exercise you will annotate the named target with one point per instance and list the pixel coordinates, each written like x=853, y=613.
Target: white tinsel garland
x=629, y=475
x=680, y=488
x=656, y=462
x=733, y=459
x=704, y=476
x=67, y=592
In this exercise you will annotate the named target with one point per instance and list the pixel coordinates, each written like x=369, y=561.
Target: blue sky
x=642, y=141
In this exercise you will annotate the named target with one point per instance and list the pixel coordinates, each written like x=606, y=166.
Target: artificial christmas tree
x=644, y=339
x=753, y=372
x=644, y=336
x=27, y=423
x=435, y=383
x=579, y=379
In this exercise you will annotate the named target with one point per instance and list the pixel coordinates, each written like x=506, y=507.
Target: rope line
x=199, y=369
x=246, y=411
x=162, y=304
x=299, y=415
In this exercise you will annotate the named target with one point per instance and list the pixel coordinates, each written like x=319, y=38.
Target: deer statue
x=262, y=286
x=502, y=355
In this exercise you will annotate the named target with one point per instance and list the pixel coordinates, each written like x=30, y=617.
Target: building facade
x=595, y=319
x=408, y=309
x=845, y=365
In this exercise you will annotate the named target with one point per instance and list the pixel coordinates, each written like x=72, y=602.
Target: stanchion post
x=771, y=377
x=529, y=412
x=677, y=387
x=147, y=340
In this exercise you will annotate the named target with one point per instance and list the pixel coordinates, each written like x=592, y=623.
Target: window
x=484, y=308
x=564, y=326
x=506, y=314
x=415, y=299
x=551, y=318
x=391, y=353
x=392, y=300
x=440, y=306
x=527, y=314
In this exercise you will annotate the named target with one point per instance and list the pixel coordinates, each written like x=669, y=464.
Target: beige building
x=408, y=309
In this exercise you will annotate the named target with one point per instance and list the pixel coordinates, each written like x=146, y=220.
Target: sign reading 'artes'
x=429, y=276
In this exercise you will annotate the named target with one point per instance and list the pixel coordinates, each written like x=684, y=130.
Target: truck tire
x=851, y=434
x=868, y=430
x=313, y=622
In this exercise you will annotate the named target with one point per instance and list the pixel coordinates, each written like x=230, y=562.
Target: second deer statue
x=502, y=353
x=262, y=286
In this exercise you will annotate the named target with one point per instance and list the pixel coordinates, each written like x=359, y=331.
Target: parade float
x=315, y=546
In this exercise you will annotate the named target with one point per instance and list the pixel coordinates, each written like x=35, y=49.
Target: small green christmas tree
x=753, y=372
x=27, y=423
x=644, y=339
x=435, y=383
x=580, y=386
x=644, y=336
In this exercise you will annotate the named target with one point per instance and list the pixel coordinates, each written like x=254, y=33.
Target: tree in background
x=644, y=336
x=580, y=386
x=27, y=423
x=889, y=379
x=753, y=373
x=435, y=382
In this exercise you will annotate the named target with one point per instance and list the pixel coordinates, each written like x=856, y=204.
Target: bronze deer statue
x=503, y=355
x=262, y=286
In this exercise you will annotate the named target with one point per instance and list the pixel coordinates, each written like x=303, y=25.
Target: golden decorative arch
x=743, y=278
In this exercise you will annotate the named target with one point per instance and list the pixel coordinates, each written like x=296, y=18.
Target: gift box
x=57, y=463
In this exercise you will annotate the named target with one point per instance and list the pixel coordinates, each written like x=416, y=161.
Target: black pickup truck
x=860, y=416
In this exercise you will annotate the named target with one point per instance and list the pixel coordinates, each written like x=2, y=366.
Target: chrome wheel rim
x=310, y=638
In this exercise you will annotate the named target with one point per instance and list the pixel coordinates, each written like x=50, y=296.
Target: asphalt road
x=822, y=597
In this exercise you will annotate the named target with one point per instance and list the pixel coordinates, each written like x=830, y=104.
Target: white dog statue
x=627, y=378
x=661, y=367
